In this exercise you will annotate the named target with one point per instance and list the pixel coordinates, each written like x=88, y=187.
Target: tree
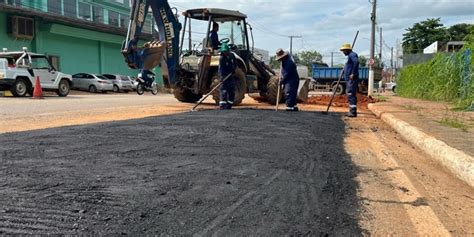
x=459, y=32
x=274, y=64
x=423, y=34
x=362, y=61
x=306, y=58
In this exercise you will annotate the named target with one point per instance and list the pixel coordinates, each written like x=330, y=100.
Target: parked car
x=134, y=83
x=91, y=82
x=19, y=71
x=391, y=86
x=120, y=82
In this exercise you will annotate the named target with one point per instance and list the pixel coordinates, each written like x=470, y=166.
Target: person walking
x=289, y=79
x=351, y=75
x=227, y=65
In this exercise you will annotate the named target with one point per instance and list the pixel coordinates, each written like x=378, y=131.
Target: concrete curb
x=458, y=162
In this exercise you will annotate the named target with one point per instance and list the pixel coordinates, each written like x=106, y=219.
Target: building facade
x=77, y=35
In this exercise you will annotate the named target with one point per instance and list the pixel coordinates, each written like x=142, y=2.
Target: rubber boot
x=352, y=113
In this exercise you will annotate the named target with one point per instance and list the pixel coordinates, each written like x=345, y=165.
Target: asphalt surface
x=245, y=172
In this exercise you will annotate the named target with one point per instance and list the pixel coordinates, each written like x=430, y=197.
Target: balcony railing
x=78, y=10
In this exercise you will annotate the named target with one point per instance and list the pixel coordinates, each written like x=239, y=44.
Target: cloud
x=326, y=24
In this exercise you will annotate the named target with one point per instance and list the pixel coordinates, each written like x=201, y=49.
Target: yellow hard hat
x=346, y=46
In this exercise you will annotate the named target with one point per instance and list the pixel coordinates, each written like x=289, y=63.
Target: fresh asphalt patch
x=238, y=172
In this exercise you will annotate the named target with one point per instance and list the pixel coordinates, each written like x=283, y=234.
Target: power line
x=291, y=41
x=265, y=29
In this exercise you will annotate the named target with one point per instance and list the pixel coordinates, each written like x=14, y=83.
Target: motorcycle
x=141, y=87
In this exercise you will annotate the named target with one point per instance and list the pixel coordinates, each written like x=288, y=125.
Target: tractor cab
x=196, y=38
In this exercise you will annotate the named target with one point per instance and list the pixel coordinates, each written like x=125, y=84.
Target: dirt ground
x=252, y=171
x=340, y=100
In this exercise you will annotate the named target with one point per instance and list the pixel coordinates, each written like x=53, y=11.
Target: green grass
x=440, y=79
x=411, y=107
x=381, y=98
x=454, y=123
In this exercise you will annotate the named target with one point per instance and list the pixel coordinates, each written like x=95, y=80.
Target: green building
x=77, y=35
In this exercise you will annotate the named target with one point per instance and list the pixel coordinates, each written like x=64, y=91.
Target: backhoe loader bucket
x=153, y=53
x=303, y=90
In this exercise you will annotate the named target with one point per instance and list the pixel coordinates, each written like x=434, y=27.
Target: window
x=84, y=11
x=113, y=18
x=54, y=6
x=54, y=62
x=39, y=63
x=119, y=1
x=147, y=27
x=78, y=76
x=21, y=27
x=98, y=13
x=70, y=8
x=123, y=23
x=12, y=2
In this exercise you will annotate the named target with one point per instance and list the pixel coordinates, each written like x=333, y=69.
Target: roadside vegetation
x=446, y=77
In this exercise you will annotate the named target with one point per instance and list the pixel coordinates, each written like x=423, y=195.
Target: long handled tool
x=210, y=92
x=339, y=80
x=334, y=92
x=279, y=88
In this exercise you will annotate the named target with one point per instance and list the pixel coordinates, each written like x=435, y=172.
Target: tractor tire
x=240, y=86
x=185, y=95
x=272, y=92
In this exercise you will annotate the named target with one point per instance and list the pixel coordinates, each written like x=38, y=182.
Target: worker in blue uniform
x=227, y=66
x=214, y=38
x=289, y=79
x=351, y=75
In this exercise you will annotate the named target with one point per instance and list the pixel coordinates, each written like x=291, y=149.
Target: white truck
x=19, y=70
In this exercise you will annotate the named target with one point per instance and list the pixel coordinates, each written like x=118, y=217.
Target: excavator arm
x=148, y=56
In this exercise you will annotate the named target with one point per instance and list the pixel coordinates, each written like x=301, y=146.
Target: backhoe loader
x=193, y=72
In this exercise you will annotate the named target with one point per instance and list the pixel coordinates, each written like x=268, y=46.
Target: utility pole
x=391, y=58
x=381, y=42
x=291, y=42
x=372, y=49
x=391, y=64
x=332, y=59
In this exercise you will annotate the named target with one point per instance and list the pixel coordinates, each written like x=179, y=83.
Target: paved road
x=241, y=172
x=15, y=107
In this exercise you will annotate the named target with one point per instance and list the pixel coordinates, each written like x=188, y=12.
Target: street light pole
x=372, y=49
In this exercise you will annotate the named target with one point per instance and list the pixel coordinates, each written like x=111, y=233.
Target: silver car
x=91, y=82
x=120, y=82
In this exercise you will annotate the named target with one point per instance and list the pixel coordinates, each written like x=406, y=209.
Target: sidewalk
x=444, y=134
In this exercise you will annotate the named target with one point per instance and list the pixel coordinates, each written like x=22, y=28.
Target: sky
x=325, y=25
